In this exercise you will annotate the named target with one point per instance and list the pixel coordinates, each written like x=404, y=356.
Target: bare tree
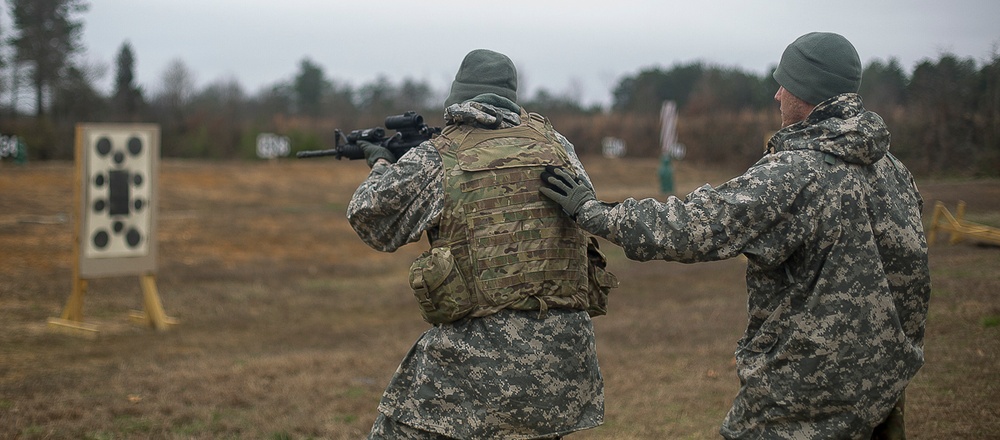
x=177, y=88
x=176, y=85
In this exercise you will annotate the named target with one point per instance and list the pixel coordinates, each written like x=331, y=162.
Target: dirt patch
x=290, y=327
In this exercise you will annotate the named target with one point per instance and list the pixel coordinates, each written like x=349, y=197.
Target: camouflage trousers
x=388, y=429
x=893, y=427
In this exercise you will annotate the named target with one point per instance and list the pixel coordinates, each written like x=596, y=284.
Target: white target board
x=117, y=165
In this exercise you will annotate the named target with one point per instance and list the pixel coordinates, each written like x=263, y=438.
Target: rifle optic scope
x=408, y=119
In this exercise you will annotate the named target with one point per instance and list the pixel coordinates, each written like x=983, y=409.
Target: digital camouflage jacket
x=511, y=374
x=837, y=272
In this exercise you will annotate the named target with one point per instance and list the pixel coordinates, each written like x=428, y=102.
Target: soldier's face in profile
x=792, y=108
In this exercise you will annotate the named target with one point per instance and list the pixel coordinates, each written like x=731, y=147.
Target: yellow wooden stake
x=71, y=320
x=956, y=233
x=959, y=228
x=153, y=314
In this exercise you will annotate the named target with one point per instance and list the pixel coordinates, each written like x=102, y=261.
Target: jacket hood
x=839, y=126
x=486, y=111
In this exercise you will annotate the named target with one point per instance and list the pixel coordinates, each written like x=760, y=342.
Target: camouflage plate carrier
x=500, y=244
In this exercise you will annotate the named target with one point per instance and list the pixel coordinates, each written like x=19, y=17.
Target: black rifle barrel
x=316, y=153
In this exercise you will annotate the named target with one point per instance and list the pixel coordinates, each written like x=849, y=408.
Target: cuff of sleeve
x=592, y=215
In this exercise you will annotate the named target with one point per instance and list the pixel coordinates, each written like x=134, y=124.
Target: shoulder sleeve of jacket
x=752, y=213
x=574, y=160
x=398, y=202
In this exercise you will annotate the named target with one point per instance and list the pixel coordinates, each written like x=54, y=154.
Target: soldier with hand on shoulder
x=837, y=274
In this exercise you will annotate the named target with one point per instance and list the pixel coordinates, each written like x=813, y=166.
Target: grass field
x=290, y=327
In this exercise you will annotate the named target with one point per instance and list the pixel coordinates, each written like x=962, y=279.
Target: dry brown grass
x=290, y=327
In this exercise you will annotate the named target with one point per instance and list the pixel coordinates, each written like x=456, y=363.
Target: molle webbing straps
x=516, y=249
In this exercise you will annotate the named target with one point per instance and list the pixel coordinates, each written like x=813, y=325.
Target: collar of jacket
x=839, y=126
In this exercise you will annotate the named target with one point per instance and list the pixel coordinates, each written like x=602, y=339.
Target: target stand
x=115, y=225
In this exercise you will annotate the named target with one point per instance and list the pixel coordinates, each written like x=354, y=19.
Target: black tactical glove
x=565, y=189
x=374, y=152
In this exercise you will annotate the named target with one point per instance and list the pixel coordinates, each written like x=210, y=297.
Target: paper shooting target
x=118, y=209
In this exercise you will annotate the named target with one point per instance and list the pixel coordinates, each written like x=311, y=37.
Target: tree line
x=944, y=115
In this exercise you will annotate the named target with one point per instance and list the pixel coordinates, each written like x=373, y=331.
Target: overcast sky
x=581, y=47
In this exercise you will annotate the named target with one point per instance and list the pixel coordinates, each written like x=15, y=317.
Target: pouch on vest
x=439, y=288
x=599, y=280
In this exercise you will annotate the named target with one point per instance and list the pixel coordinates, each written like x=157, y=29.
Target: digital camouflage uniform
x=510, y=374
x=837, y=272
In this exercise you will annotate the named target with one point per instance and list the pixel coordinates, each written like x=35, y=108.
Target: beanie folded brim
x=461, y=92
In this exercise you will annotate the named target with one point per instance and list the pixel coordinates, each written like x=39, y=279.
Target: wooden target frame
x=115, y=198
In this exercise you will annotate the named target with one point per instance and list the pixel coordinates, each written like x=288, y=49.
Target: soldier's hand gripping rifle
x=410, y=132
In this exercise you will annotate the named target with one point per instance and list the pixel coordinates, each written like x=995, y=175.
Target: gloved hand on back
x=565, y=189
x=373, y=152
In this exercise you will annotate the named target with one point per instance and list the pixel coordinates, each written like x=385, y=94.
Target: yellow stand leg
x=957, y=233
x=74, y=307
x=153, y=314
x=71, y=321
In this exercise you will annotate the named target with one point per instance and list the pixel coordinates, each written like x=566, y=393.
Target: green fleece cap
x=818, y=66
x=484, y=71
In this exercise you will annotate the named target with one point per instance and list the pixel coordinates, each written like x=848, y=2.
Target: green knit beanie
x=484, y=71
x=818, y=66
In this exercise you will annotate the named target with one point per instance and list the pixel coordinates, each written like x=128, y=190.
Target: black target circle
x=133, y=237
x=101, y=239
x=103, y=146
x=134, y=146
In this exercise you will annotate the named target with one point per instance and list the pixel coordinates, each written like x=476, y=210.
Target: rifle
x=410, y=132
